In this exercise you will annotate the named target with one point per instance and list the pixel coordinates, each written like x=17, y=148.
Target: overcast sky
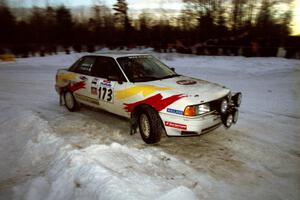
x=137, y=5
x=134, y=4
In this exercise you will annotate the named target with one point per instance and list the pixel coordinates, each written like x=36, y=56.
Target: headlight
x=196, y=110
x=237, y=99
x=203, y=108
x=235, y=116
x=224, y=106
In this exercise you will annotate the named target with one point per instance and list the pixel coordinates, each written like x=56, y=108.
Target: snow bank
x=191, y=64
x=51, y=169
x=104, y=172
x=48, y=153
x=22, y=135
x=126, y=51
x=58, y=61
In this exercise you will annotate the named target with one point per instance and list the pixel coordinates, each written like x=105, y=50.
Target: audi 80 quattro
x=152, y=95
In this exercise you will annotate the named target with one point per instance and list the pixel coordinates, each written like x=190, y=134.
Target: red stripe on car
x=155, y=101
x=76, y=86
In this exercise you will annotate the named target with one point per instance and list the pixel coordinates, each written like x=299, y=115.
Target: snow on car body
x=152, y=95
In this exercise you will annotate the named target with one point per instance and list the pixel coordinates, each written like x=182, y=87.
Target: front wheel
x=70, y=102
x=150, y=126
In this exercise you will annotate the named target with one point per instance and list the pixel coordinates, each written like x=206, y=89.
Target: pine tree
x=121, y=15
x=7, y=23
x=64, y=25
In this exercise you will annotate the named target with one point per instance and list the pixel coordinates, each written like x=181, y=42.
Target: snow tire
x=150, y=125
x=70, y=102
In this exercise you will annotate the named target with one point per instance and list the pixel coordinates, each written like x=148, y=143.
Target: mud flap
x=133, y=123
x=61, y=99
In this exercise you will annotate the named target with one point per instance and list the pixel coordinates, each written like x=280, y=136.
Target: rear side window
x=105, y=67
x=84, y=65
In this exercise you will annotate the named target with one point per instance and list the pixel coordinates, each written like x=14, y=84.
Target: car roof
x=116, y=55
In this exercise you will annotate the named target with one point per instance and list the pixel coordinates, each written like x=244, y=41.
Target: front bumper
x=179, y=125
x=190, y=126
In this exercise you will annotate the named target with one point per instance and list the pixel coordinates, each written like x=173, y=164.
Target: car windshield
x=145, y=68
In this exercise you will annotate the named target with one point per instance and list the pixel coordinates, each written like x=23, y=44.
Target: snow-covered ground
x=49, y=153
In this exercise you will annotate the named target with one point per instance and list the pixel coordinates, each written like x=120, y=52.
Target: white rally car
x=152, y=95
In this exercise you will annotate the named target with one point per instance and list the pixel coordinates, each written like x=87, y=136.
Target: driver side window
x=107, y=68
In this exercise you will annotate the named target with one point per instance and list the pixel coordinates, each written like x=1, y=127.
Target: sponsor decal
x=176, y=125
x=186, y=82
x=94, y=91
x=106, y=83
x=178, y=112
x=146, y=90
x=76, y=86
x=155, y=101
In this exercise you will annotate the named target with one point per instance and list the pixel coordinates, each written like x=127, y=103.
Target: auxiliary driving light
x=237, y=99
x=235, y=116
x=224, y=106
x=229, y=120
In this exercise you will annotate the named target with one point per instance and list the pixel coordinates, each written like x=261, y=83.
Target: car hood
x=196, y=89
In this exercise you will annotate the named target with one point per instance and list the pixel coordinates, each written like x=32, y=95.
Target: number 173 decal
x=106, y=94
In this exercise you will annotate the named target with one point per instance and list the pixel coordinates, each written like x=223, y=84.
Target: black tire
x=151, y=129
x=68, y=96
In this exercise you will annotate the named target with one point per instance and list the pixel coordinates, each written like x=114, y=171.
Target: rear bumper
x=186, y=126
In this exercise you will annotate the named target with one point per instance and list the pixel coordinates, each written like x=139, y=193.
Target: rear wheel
x=70, y=102
x=150, y=125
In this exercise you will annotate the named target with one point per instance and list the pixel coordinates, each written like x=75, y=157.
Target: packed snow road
x=49, y=153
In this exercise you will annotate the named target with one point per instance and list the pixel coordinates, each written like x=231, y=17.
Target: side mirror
x=115, y=78
x=173, y=69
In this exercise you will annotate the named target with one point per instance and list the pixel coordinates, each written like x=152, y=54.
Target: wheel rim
x=69, y=100
x=145, y=125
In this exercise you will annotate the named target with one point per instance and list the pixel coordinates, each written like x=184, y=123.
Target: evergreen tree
x=122, y=22
x=50, y=20
x=237, y=14
x=64, y=25
x=121, y=14
x=38, y=25
x=7, y=24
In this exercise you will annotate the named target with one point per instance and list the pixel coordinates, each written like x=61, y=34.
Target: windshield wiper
x=169, y=76
x=153, y=78
x=145, y=78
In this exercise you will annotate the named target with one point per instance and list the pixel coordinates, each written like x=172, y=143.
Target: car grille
x=215, y=105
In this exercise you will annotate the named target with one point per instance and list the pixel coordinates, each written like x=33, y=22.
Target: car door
x=108, y=78
x=82, y=86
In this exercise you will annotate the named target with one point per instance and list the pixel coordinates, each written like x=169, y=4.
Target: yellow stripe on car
x=145, y=89
x=67, y=76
